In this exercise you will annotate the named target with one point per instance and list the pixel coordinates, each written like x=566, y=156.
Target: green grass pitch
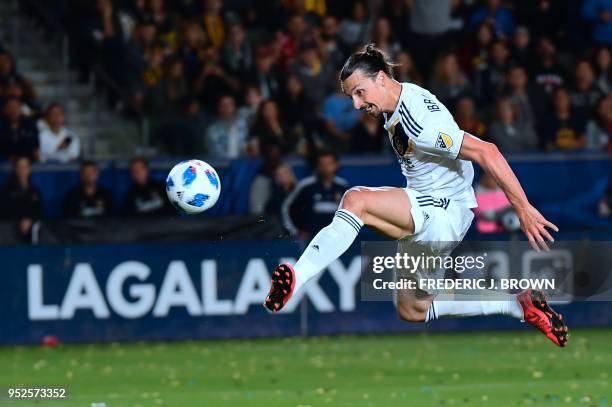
x=467, y=369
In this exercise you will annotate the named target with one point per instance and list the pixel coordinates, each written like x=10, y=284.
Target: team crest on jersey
x=444, y=141
x=402, y=144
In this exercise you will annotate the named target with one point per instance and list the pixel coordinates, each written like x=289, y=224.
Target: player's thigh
x=385, y=209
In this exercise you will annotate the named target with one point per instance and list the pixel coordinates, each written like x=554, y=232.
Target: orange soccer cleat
x=283, y=283
x=538, y=313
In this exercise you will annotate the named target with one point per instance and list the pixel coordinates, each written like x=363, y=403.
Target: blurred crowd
x=26, y=127
x=22, y=200
x=225, y=77
x=240, y=78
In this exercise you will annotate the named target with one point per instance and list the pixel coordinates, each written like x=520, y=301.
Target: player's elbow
x=489, y=155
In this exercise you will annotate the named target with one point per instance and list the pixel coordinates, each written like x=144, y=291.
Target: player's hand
x=534, y=225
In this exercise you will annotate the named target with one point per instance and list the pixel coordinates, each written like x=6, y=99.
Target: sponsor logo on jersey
x=444, y=141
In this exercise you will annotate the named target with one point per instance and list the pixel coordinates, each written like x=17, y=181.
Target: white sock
x=466, y=308
x=329, y=244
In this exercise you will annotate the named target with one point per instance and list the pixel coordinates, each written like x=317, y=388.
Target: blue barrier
x=565, y=188
x=195, y=290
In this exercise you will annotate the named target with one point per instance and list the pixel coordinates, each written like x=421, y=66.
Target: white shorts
x=440, y=224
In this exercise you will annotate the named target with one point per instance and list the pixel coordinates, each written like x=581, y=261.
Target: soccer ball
x=193, y=186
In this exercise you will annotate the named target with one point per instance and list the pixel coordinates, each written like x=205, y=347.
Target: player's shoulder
x=422, y=103
x=412, y=91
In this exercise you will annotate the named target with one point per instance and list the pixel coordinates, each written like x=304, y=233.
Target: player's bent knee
x=410, y=313
x=353, y=200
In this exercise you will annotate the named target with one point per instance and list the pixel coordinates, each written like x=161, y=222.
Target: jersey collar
x=390, y=121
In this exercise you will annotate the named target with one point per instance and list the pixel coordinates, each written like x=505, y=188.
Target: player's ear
x=381, y=78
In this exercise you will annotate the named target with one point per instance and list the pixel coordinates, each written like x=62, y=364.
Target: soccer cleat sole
x=559, y=328
x=283, y=283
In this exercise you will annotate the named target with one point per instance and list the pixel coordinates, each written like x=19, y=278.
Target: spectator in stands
x=265, y=74
x=584, y=93
x=9, y=75
x=315, y=75
x=212, y=22
x=465, y=116
x=252, y=101
x=88, y=200
x=328, y=42
x=509, y=134
x=528, y=102
x=599, y=13
x=548, y=74
x=272, y=184
x=603, y=68
x=315, y=199
x=164, y=20
x=354, y=30
x=57, y=143
x=430, y=22
x=145, y=55
x=193, y=49
x=564, y=130
x=289, y=44
x=284, y=183
x=236, y=52
x=269, y=128
x=494, y=214
x=310, y=10
x=227, y=136
x=21, y=200
x=496, y=15
x=15, y=90
x=18, y=135
x=167, y=95
x=106, y=36
x=314, y=7
x=474, y=54
x=213, y=81
x=521, y=50
x=146, y=197
x=197, y=122
x=599, y=127
x=383, y=37
x=367, y=136
x=490, y=81
x=406, y=70
x=399, y=13
x=299, y=113
x=449, y=82
x=340, y=117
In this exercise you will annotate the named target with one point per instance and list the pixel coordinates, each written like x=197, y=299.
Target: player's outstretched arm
x=493, y=162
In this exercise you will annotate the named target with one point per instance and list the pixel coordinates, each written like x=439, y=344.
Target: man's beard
x=371, y=110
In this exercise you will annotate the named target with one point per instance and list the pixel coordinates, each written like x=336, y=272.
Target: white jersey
x=427, y=141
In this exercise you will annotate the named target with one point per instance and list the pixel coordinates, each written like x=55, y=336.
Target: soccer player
x=435, y=207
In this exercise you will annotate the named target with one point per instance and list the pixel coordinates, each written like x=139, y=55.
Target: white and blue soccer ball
x=193, y=186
